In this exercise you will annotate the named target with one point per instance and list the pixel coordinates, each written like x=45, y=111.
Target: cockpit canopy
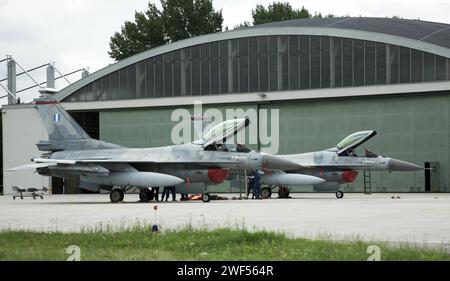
x=216, y=137
x=349, y=143
x=224, y=130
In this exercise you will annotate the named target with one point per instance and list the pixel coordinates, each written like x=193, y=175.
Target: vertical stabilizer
x=59, y=124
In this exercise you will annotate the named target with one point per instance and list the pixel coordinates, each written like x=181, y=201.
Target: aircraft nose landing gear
x=339, y=194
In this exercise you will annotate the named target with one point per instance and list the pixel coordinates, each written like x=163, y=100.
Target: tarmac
x=414, y=218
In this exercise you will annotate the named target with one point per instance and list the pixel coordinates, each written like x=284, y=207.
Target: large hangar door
x=89, y=121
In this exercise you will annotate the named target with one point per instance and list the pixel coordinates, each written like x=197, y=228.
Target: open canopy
x=224, y=130
x=354, y=140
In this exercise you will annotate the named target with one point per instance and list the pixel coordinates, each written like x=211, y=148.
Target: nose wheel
x=339, y=194
x=206, y=197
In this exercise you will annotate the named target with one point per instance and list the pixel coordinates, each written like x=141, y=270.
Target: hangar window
x=115, y=83
x=304, y=62
x=176, y=73
x=233, y=66
x=186, y=64
x=336, y=62
x=294, y=63
x=369, y=63
x=358, y=62
x=405, y=65
x=195, y=70
x=123, y=83
x=159, y=76
x=214, y=60
x=441, y=68
x=325, y=62
x=150, y=79
x=315, y=62
x=243, y=65
x=205, y=70
x=263, y=61
x=283, y=62
x=381, y=63
x=168, y=63
x=416, y=66
x=253, y=64
x=131, y=91
x=223, y=50
x=273, y=63
x=347, y=62
x=392, y=64
x=140, y=79
x=429, y=64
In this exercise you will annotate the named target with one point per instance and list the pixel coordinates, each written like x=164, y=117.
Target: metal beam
x=29, y=70
x=59, y=77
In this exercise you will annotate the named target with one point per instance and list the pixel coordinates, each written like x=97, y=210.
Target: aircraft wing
x=53, y=162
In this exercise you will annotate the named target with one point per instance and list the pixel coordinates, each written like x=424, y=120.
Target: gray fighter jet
x=191, y=167
x=340, y=165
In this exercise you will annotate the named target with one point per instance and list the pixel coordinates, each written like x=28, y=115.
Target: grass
x=138, y=243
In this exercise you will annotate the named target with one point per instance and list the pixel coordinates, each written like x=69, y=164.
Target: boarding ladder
x=367, y=182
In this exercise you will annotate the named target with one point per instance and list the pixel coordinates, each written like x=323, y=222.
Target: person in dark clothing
x=156, y=192
x=251, y=182
x=165, y=193
x=257, y=184
x=174, y=195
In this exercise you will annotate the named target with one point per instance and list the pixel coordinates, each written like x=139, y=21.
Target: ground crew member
x=156, y=192
x=165, y=193
x=257, y=185
x=174, y=195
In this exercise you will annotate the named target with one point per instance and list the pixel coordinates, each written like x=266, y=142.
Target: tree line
x=181, y=19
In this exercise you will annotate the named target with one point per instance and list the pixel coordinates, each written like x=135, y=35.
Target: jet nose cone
x=276, y=162
x=402, y=166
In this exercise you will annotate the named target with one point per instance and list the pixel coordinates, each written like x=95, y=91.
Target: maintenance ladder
x=367, y=182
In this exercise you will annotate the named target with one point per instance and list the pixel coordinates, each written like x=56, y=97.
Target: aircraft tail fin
x=59, y=124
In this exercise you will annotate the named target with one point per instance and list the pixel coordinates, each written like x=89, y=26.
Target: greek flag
x=56, y=117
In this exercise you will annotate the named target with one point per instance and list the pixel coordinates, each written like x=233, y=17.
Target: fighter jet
x=191, y=167
x=340, y=165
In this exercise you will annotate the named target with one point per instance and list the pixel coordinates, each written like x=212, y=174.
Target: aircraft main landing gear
x=339, y=194
x=146, y=195
x=116, y=195
x=283, y=192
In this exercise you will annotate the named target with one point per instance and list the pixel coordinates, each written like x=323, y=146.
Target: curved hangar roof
x=429, y=37
x=430, y=32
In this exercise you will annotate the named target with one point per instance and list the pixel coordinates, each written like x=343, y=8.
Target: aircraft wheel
x=146, y=195
x=34, y=197
x=266, y=192
x=21, y=197
x=206, y=197
x=116, y=195
x=151, y=194
x=14, y=197
x=283, y=192
x=42, y=197
x=339, y=194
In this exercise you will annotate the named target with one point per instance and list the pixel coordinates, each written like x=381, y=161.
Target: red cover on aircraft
x=217, y=175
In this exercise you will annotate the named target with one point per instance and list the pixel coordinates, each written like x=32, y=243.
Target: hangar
x=328, y=77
